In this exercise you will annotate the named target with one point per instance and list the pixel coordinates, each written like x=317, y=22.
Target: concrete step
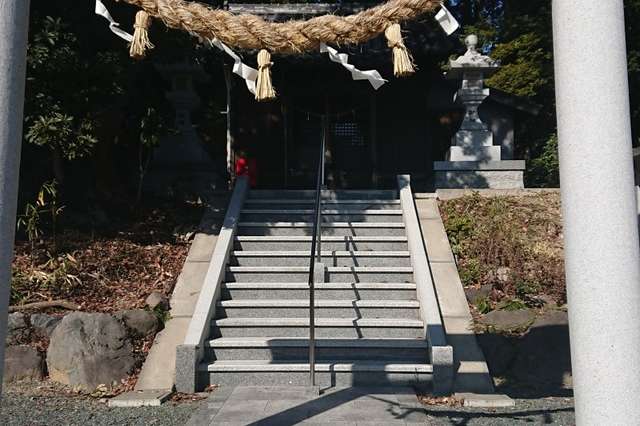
x=333, y=274
x=328, y=215
x=326, y=194
x=303, y=243
x=339, y=373
x=329, y=258
x=330, y=328
x=332, y=308
x=296, y=349
x=358, y=291
x=273, y=203
x=333, y=228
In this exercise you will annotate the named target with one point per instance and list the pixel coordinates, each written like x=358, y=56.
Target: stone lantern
x=181, y=163
x=473, y=161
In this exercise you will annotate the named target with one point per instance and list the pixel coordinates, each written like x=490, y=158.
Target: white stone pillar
x=598, y=197
x=14, y=22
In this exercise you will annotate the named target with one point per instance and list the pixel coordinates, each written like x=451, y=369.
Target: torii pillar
x=599, y=206
x=14, y=22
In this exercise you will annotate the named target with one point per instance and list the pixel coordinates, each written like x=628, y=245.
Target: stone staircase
x=370, y=323
x=367, y=317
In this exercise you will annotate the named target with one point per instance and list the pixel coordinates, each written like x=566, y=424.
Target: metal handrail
x=316, y=243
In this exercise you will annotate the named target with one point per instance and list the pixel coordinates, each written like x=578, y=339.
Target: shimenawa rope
x=253, y=32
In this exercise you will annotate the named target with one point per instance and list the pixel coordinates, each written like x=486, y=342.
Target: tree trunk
x=58, y=165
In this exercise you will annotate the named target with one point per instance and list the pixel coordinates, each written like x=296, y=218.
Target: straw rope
x=296, y=36
x=403, y=65
x=141, y=42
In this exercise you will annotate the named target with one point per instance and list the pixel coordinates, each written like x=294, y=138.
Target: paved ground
x=261, y=406
x=29, y=404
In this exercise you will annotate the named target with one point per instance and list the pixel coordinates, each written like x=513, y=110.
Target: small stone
x=22, y=362
x=474, y=294
x=157, y=300
x=503, y=274
x=44, y=324
x=141, y=322
x=18, y=330
x=508, y=320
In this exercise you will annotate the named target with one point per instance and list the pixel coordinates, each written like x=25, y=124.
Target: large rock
x=544, y=355
x=44, y=324
x=18, y=329
x=22, y=362
x=498, y=351
x=508, y=320
x=139, y=321
x=87, y=350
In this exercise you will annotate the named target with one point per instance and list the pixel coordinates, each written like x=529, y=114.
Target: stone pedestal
x=479, y=174
x=474, y=145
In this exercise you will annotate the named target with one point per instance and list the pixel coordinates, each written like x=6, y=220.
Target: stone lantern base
x=506, y=174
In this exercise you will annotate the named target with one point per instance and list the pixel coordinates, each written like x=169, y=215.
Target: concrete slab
x=427, y=208
x=437, y=243
x=486, y=401
x=158, y=371
x=270, y=405
x=202, y=247
x=453, y=302
x=185, y=295
x=141, y=398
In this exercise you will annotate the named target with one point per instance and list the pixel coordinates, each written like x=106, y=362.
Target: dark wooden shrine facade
x=371, y=135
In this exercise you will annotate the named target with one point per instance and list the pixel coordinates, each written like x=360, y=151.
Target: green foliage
x=58, y=132
x=45, y=203
x=483, y=305
x=471, y=272
x=459, y=228
x=525, y=288
x=512, y=305
x=546, y=168
x=163, y=315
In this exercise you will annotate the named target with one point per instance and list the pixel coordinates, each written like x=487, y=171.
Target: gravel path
x=24, y=404
x=19, y=408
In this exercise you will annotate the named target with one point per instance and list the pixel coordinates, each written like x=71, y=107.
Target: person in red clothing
x=246, y=166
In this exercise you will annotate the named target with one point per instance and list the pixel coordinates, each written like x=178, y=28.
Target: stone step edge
x=334, y=253
x=330, y=269
x=329, y=238
x=323, y=286
x=369, y=212
x=319, y=322
x=319, y=303
x=373, y=225
x=311, y=201
x=338, y=367
x=297, y=342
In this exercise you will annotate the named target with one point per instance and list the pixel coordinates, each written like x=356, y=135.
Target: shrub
x=521, y=235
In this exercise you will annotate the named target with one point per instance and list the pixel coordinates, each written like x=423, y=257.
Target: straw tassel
x=264, y=86
x=141, y=42
x=403, y=65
